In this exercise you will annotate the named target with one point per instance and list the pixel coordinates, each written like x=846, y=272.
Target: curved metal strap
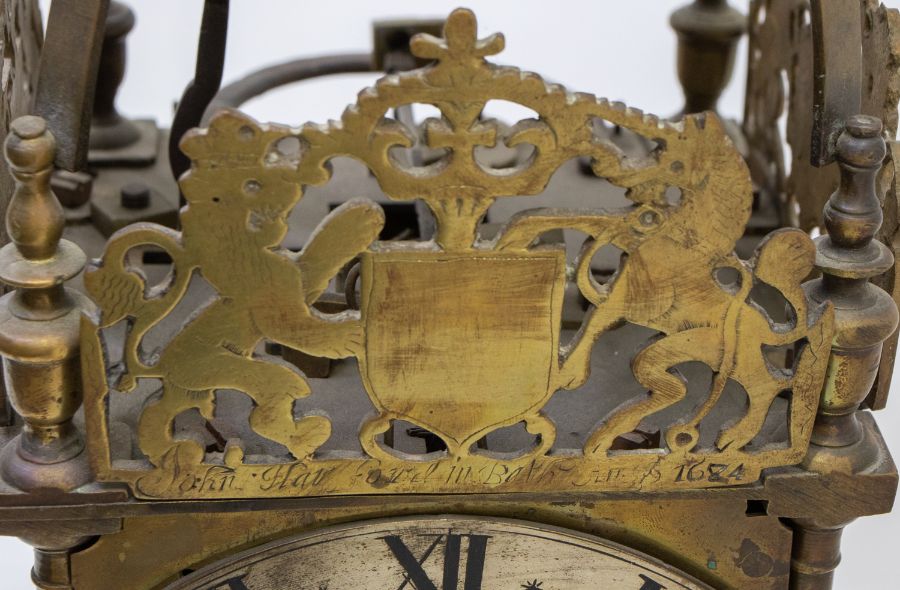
x=206, y=82
x=68, y=75
x=837, y=72
x=256, y=83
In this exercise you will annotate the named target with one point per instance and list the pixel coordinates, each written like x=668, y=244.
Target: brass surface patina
x=780, y=86
x=479, y=552
x=692, y=535
x=443, y=321
x=627, y=361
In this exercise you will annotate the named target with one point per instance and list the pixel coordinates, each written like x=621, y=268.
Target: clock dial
x=439, y=553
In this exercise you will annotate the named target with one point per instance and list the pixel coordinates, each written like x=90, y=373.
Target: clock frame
x=296, y=381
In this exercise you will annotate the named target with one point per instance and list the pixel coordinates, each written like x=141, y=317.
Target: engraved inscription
x=713, y=472
x=480, y=475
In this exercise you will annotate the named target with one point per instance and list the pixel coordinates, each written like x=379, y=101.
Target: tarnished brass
x=708, y=32
x=705, y=537
x=20, y=38
x=627, y=384
x=20, y=21
x=40, y=320
x=109, y=129
x=487, y=311
x=865, y=316
x=115, y=139
x=781, y=85
x=479, y=552
x=847, y=256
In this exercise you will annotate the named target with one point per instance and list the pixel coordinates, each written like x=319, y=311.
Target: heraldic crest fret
x=459, y=335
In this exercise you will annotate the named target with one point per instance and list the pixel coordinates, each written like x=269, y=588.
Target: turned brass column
x=109, y=129
x=708, y=34
x=40, y=321
x=865, y=315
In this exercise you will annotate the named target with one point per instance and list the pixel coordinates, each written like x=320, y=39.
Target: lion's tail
x=121, y=291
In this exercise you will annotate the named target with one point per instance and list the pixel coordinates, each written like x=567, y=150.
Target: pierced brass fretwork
x=459, y=334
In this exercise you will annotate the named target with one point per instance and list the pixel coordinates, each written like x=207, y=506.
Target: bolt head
x=135, y=195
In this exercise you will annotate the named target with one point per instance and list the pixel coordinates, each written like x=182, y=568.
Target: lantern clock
x=592, y=348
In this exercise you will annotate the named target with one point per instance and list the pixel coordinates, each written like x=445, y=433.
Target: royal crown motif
x=460, y=334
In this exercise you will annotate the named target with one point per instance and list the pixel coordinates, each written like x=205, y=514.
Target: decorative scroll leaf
x=459, y=335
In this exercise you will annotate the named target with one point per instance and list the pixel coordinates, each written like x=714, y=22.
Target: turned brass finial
x=39, y=340
x=35, y=218
x=109, y=129
x=708, y=33
x=853, y=213
x=865, y=315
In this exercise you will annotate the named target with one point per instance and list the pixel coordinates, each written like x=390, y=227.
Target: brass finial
x=39, y=340
x=35, y=218
x=109, y=129
x=853, y=213
x=865, y=315
x=708, y=33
